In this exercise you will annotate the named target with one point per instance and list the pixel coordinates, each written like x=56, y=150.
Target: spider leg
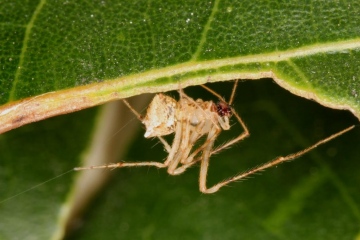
x=205, y=160
x=184, y=167
x=274, y=162
x=189, y=161
x=124, y=164
x=194, y=136
x=190, y=158
x=243, y=135
x=173, y=159
x=233, y=92
x=182, y=149
x=165, y=143
x=220, y=97
x=138, y=116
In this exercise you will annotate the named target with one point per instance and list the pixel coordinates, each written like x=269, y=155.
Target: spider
x=191, y=120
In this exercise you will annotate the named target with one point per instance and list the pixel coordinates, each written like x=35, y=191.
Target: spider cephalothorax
x=223, y=109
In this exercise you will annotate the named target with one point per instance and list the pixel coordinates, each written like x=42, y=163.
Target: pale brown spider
x=190, y=120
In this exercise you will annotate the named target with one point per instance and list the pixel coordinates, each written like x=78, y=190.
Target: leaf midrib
x=276, y=56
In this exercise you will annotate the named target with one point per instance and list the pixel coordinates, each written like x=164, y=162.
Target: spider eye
x=223, y=109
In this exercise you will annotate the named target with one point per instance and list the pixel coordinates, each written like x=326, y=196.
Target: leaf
x=127, y=49
x=60, y=57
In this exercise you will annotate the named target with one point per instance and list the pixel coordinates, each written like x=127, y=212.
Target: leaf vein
x=205, y=31
x=28, y=30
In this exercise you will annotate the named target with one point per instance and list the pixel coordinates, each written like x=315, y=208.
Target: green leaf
x=62, y=56
x=117, y=49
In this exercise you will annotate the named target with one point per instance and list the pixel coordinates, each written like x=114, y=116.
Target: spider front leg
x=277, y=161
x=243, y=135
